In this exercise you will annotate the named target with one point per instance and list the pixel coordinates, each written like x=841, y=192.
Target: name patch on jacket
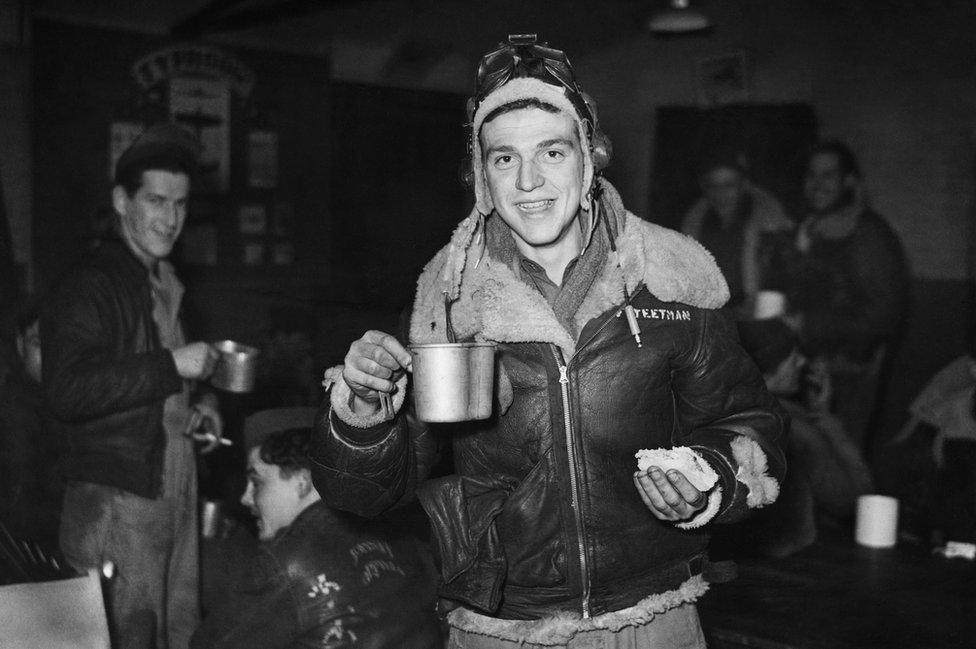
x=661, y=314
x=373, y=558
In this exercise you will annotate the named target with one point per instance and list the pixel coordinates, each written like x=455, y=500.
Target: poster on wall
x=252, y=218
x=203, y=107
x=262, y=159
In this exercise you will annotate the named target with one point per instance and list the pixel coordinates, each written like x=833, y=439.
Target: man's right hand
x=373, y=364
x=195, y=361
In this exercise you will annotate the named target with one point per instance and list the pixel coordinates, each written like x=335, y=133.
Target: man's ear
x=305, y=485
x=119, y=198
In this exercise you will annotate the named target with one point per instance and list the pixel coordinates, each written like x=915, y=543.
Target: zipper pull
x=563, y=376
x=632, y=323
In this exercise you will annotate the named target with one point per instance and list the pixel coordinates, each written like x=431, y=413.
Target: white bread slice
x=681, y=458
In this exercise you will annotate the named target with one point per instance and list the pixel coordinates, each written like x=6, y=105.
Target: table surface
x=838, y=595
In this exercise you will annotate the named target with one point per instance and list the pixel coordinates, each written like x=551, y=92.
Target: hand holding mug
x=195, y=361
x=372, y=366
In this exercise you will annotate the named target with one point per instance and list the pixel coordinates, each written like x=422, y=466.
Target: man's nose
x=529, y=177
x=172, y=213
x=246, y=497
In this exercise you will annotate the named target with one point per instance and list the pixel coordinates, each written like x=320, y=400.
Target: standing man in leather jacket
x=120, y=375
x=610, y=340
x=321, y=578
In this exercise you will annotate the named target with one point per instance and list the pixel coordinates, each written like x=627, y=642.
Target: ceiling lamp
x=679, y=18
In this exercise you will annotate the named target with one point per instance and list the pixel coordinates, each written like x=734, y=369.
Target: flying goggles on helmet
x=522, y=56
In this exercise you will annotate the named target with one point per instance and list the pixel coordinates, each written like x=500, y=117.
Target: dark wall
x=83, y=82
x=370, y=173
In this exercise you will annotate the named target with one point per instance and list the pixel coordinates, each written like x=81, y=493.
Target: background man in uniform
x=119, y=373
x=847, y=283
x=320, y=578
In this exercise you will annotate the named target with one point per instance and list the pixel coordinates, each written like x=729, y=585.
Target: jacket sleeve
x=727, y=416
x=84, y=376
x=367, y=466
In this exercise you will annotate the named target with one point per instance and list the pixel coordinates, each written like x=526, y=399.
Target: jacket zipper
x=573, y=479
x=571, y=453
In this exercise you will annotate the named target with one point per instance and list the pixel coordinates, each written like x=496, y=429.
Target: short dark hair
x=288, y=450
x=165, y=146
x=130, y=177
x=846, y=158
x=519, y=104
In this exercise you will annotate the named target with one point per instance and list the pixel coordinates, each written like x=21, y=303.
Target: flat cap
x=165, y=141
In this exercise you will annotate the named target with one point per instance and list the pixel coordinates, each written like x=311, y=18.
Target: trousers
x=153, y=598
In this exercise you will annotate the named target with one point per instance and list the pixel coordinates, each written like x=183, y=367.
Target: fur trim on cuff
x=705, y=515
x=558, y=630
x=763, y=488
x=340, y=395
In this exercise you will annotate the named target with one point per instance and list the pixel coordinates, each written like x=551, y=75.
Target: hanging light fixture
x=678, y=18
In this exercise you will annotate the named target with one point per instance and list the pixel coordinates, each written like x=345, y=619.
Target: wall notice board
x=258, y=214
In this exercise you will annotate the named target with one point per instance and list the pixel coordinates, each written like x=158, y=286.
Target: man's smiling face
x=534, y=170
x=152, y=218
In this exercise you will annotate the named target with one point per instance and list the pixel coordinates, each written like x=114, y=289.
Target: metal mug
x=236, y=367
x=453, y=381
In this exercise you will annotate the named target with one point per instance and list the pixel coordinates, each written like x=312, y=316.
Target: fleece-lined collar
x=491, y=303
x=839, y=224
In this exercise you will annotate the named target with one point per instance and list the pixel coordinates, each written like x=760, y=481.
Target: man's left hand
x=669, y=496
x=210, y=427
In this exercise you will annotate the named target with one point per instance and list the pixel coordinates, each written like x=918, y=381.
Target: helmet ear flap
x=466, y=171
x=602, y=150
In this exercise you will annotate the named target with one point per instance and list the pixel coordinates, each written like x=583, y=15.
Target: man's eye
x=504, y=162
x=554, y=155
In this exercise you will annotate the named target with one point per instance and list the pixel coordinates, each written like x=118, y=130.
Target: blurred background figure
x=738, y=222
x=938, y=447
x=826, y=470
x=847, y=283
x=286, y=366
x=320, y=577
x=126, y=385
x=31, y=486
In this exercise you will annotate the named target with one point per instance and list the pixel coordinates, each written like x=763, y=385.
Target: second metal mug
x=236, y=368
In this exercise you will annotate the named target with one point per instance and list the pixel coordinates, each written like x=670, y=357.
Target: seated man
x=320, y=578
x=827, y=471
x=30, y=484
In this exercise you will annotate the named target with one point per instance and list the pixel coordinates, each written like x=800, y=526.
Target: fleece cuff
x=340, y=396
x=752, y=472
x=707, y=514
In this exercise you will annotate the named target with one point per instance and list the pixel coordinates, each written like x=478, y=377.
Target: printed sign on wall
x=203, y=107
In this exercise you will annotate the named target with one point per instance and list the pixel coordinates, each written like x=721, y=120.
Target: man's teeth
x=534, y=205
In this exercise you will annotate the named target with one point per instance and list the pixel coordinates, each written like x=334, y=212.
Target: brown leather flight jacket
x=542, y=514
